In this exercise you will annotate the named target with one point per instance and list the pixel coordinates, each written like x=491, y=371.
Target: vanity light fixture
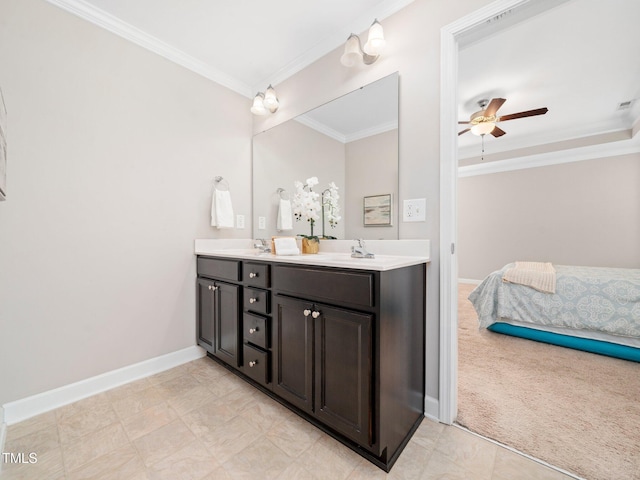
x=354, y=52
x=265, y=102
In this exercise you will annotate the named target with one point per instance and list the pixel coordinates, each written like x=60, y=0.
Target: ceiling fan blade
x=528, y=113
x=493, y=106
x=463, y=131
x=497, y=132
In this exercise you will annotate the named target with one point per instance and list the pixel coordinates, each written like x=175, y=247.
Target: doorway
x=467, y=29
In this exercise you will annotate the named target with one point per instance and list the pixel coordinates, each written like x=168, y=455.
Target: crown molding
x=385, y=127
x=321, y=127
x=99, y=17
x=337, y=38
x=592, y=152
x=330, y=132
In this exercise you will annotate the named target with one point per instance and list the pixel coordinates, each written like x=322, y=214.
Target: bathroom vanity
x=339, y=341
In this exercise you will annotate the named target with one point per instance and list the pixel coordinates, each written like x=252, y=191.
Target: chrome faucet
x=261, y=244
x=360, y=251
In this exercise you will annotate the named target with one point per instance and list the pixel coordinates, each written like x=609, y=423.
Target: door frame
x=450, y=36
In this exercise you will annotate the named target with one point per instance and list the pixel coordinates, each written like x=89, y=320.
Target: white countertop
x=327, y=258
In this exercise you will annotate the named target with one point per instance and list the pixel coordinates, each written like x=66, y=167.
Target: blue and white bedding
x=589, y=301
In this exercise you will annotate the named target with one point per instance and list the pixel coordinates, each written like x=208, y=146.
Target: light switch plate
x=414, y=210
x=239, y=221
x=262, y=223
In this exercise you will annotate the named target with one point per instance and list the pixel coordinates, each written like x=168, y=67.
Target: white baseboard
x=25, y=408
x=432, y=408
x=470, y=281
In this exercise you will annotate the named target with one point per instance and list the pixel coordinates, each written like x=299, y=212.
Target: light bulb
x=258, y=107
x=270, y=99
x=352, y=52
x=375, y=41
x=483, y=128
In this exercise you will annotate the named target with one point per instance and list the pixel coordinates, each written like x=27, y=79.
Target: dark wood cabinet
x=293, y=352
x=343, y=371
x=326, y=350
x=218, y=319
x=341, y=347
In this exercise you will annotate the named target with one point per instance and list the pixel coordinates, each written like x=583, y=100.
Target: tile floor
x=198, y=421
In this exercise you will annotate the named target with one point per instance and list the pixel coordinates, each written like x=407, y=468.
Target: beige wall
x=582, y=213
x=377, y=156
x=413, y=50
x=288, y=153
x=111, y=155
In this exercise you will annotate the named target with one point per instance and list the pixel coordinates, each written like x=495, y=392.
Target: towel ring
x=220, y=182
x=284, y=195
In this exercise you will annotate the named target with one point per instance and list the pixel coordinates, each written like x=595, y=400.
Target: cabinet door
x=343, y=372
x=226, y=322
x=205, y=308
x=293, y=352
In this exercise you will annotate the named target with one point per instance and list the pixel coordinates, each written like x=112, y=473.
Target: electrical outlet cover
x=414, y=210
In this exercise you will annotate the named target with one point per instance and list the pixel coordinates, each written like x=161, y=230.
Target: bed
x=592, y=309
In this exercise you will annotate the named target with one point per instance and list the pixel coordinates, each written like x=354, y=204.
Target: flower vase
x=310, y=245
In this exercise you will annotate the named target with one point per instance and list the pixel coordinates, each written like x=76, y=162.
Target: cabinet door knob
x=212, y=287
x=315, y=314
x=253, y=364
x=209, y=287
x=253, y=330
x=253, y=275
x=253, y=300
x=306, y=312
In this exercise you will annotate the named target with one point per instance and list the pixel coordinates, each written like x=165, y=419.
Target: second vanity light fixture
x=265, y=102
x=354, y=52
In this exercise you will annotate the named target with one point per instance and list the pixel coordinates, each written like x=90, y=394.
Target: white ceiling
x=579, y=58
x=241, y=44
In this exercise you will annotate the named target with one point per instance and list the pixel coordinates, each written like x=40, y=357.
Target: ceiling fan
x=484, y=121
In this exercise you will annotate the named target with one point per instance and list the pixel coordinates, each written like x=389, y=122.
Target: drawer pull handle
x=253, y=364
x=315, y=314
x=253, y=330
x=253, y=275
x=306, y=312
x=253, y=300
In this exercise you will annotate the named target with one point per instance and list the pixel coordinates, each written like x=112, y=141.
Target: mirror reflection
x=348, y=148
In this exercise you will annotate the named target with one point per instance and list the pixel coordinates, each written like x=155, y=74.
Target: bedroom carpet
x=578, y=411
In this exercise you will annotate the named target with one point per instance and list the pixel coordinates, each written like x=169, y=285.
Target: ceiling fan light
x=483, y=128
x=352, y=51
x=270, y=99
x=258, y=107
x=375, y=41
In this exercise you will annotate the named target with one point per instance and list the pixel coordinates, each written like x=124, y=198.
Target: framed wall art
x=377, y=211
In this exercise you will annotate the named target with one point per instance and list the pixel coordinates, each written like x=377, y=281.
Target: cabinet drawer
x=328, y=285
x=255, y=330
x=256, y=300
x=219, y=268
x=256, y=274
x=256, y=363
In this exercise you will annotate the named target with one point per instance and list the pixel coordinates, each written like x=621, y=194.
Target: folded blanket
x=538, y=275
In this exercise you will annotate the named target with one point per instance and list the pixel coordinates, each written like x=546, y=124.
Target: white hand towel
x=286, y=246
x=285, y=217
x=221, y=209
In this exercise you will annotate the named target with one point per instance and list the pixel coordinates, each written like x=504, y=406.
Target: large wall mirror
x=352, y=142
